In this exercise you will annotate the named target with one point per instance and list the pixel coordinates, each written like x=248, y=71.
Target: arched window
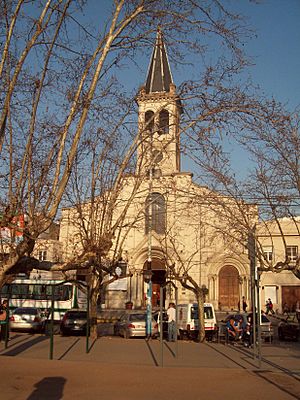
x=149, y=121
x=155, y=213
x=163, y=122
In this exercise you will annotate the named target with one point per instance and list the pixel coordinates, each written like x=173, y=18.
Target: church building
x=171, y=220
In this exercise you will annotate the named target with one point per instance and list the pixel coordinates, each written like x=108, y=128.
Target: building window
x=149, y=121
x=268, y=254
x=42, y=255
x=163, y=122
x=155, y=213
x=292, y=252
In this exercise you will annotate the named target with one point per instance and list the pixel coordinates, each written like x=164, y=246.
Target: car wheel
x=126, y=335
x=280, y=335
x=63, y=332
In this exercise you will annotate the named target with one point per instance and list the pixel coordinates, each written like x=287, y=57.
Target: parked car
x=289, y=328
x=156, y=317
x=74, y=322
x=267, y=331
x=133, y=324
x=188, y=320
x=27, y=319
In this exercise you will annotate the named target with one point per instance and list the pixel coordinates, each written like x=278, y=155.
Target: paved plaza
x=115, y=368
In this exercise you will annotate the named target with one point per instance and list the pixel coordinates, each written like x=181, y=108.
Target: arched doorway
x=158, y=268
x=228, y=288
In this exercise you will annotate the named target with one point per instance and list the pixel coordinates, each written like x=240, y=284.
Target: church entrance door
x=228, y=288
x=158, y=279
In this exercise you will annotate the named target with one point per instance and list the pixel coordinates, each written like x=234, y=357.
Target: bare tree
x=52, y=79
x=65, y=130
x=222, y=116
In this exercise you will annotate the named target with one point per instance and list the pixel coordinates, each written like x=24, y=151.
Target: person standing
x=171, y=313
x=244, y=304
x=4, y=321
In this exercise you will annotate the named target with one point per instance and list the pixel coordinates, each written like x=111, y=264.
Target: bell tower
x=159, y=114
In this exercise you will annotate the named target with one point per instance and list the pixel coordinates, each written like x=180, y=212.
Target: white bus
x=24, y=292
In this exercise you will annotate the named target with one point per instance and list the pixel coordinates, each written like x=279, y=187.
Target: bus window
x=63, y=292
x=4, y=291
x=19, y=291
x=67, y=292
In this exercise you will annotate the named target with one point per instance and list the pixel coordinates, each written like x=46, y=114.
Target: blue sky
x=274, y=50
x=276, y=55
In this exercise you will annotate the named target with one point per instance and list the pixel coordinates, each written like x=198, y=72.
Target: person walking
x=171, y=313
x=269, y=307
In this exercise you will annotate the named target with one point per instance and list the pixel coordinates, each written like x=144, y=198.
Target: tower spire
x=159, y=74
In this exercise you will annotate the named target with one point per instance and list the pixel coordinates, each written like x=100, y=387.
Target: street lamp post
x=148, y=272
x=147, y=278
x=256, y=329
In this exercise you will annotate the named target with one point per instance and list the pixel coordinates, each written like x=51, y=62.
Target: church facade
x=172, y=220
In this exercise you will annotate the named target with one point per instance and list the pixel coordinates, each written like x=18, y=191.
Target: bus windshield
x=194, y=312
x=208, y=312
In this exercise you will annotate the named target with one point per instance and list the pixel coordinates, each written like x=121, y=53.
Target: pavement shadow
x=15, y=339
x=69, y=349
x=21, y=347
x=92, y=345
x=151, y=353
x=170, y=349
x=240, y=362
x=292, y=388
x=73, y=345
x=49, y=388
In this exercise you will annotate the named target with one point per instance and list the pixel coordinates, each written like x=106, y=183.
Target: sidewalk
x=116, y=368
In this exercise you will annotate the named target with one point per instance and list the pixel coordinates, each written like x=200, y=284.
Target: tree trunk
x=94, y=293
x=200, y=301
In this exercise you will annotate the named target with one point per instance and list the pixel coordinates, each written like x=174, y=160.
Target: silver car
x=133, y=324
x=27, y=319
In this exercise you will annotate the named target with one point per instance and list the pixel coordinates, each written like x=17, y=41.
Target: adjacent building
x=277, y=240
